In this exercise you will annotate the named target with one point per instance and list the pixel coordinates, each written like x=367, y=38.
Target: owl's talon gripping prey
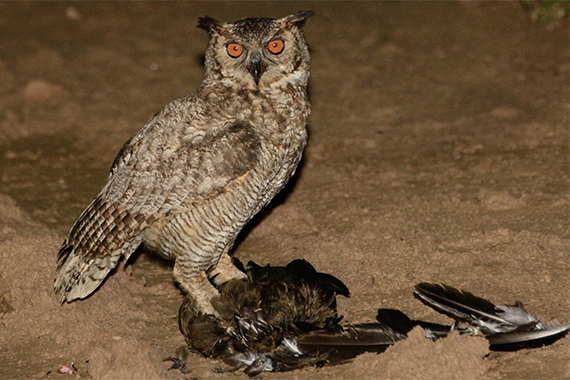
x=201, y=290
x=225, y=271
x=188, y=182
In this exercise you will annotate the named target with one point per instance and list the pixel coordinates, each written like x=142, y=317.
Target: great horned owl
x=200, y=169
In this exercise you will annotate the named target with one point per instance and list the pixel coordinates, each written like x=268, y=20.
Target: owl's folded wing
x=151, y=178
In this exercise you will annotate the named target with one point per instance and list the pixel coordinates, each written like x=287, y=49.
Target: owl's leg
x=198, y=287
x=225, y=270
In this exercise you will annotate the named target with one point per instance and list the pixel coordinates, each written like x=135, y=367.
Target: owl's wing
x=173, y=171
x=159, y=172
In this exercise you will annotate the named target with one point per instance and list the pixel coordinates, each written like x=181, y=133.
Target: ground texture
x=438, y=152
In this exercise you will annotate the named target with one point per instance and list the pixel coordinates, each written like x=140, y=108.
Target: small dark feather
x=402, y=324
x=396, y=319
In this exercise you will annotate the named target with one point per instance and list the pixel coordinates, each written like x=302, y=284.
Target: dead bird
x=284, y=318
x=281, y=318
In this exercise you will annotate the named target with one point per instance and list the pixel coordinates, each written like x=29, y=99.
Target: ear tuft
x=208, y=24
x=298, y=19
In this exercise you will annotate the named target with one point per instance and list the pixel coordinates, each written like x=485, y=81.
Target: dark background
x=438, y=152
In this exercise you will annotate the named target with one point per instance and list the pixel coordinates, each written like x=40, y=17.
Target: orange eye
x=275, y=46
x=234, y=50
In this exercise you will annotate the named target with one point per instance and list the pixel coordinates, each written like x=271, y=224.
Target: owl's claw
x=199, y=289
x=225, y=271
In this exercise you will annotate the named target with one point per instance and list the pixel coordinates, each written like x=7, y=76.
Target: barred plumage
x=188, y=182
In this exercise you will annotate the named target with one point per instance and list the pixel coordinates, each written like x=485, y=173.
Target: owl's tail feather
x=100, y=237
x=78, y=277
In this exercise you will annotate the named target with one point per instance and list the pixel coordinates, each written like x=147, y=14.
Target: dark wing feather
x=478, y=312
x=527, y=339
x=457, y=304
x=396, y=319
x=344, y=343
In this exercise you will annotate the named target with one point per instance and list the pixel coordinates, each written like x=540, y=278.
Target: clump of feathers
x=257, y=325
x=281, y=318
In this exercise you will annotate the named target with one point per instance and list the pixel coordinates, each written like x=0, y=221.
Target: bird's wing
x=162, y=170
x=174, y=170
x=506, y=327
x=478, y=312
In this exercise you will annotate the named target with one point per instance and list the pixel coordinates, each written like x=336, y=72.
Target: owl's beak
x=255, y=66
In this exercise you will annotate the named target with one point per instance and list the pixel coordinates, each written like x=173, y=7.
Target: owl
x=186, y=184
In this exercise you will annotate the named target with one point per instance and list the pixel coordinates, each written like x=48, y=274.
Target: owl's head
x=257, y=53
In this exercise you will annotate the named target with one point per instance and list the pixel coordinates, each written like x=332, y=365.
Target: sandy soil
x=438, y=152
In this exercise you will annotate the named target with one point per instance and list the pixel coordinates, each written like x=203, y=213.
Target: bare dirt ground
x=438, y=152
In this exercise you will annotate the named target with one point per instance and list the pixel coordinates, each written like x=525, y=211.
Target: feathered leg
x=199, y=288
x=225, y=270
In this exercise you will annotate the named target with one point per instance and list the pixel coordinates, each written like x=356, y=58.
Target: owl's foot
x=224, y=271
x=200, y=290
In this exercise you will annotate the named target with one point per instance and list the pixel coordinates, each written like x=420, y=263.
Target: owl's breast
x=282, y=151
x=209, y=171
